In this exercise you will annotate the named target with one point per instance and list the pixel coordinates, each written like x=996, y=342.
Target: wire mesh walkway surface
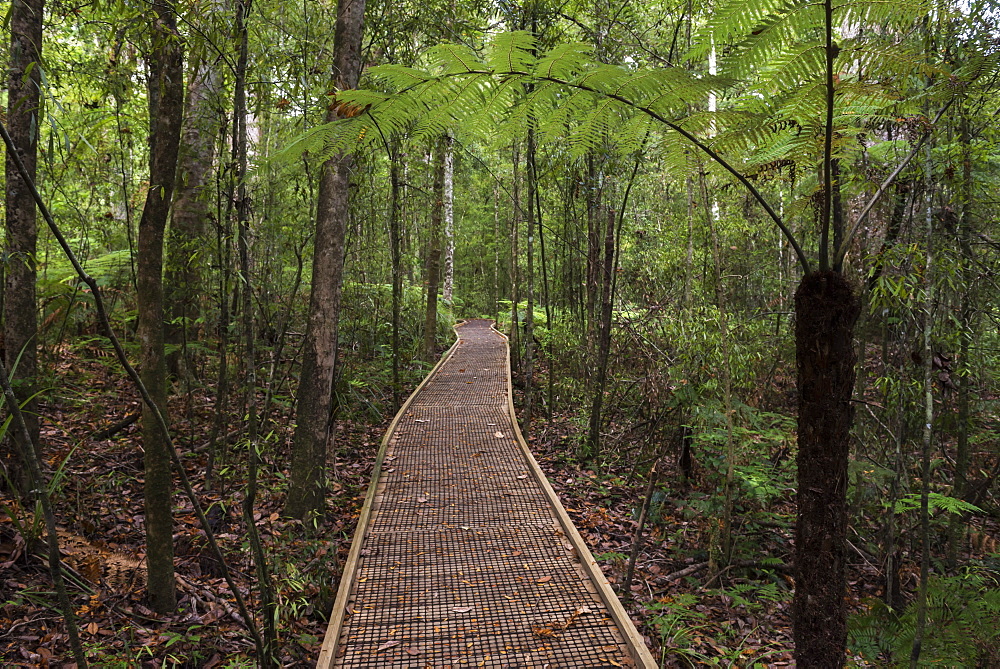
x=464, y=556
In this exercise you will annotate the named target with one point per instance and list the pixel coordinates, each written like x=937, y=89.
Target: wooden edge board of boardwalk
x=463, y=555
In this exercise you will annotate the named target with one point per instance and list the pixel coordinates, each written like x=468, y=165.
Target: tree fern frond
x=803, y=63
x=881, y=12
x=776, y=35
x=733, y=20
x=564, y=61
x=451, y=58
x=512, y=52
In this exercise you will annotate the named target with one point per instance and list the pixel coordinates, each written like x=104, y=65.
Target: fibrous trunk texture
x=20, y=310
x=319, y=356
x=826, y=308
x=166, y=102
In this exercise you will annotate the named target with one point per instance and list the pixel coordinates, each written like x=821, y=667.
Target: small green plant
x=755, y=597
x=678, y=623
x=612, y=557
x=961, y=628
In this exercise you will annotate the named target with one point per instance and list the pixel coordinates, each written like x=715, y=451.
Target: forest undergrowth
x=98, y=494
x=694, y=605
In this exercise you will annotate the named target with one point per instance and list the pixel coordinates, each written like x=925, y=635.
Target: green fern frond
x=512, y=52
x=451, y=58
x=733, y=20
x=882, y=12
x=564, y=61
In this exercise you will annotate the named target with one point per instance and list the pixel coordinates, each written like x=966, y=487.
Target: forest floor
x=693, y=610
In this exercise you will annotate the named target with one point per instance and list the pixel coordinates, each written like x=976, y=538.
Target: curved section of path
x=464, y=556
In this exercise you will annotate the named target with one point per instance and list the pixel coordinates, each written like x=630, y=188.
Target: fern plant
x=961, y=625
x=792, y=95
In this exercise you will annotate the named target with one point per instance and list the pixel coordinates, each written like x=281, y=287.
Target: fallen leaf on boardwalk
x=523, y=476
x=421, y=499
x=387, y=645
x=498, y=435
x=544, y=579
x=461, y=609
x=414, y=650
x=543, y=631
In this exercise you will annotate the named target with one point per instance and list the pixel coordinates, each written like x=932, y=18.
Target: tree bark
x=826, y=308
x=603, y=340
x=166, y=98
x=448, y=292
x=315, y=399
x=20, y=310
x=395, y=250
x=186, y=237
x=529, y=311
x=433, y=265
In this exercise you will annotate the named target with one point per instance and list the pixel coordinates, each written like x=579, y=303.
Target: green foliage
x=935, y=501
x=961, y=626
x=566, y=93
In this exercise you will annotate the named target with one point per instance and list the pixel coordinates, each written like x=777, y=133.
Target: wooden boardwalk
x=464, y=556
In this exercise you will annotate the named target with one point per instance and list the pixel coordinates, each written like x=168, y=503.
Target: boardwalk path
x=467, y=559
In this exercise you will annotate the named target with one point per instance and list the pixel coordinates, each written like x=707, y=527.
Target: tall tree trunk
x=515, y=266
x=20, y=310
x=826, y=308
x=186, y=238
x=395, y=251
x=965, y=380
x=315, y=399
x=529, y=312
x=495, y=291
x=725, y=372
x=433, y=266
x=593, y=277
x=603, y=339
x=449, y=221
x=551, y=391
x=166, y=100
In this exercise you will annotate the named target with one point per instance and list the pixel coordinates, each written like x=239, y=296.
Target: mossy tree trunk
x=166, y=103
x=186, y=238
x=433, y=265
x=19, y=306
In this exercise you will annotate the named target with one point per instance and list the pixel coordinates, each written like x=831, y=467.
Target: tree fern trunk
x=395, y=251
x=826, y=309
